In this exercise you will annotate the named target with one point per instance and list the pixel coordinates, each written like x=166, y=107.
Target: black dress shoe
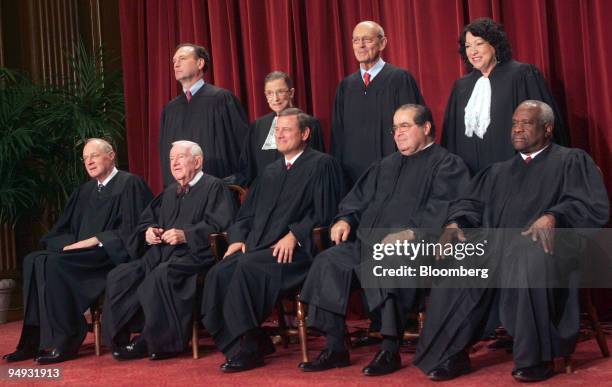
x=534, y=374
x=163, y=355
x=136, y=349
x=455, y=366
x=385, y=362
x=365, y=341
x=327, y=359
x=243, y=361
x=55, y=356
x=20, y=355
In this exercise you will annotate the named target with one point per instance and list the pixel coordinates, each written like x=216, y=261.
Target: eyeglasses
x=401, y=128
x=278, y=93
x=93, y=156
x=364, y=39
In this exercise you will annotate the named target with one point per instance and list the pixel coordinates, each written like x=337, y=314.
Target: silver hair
x=194, y=148
x=103, y=145
x=546, y=116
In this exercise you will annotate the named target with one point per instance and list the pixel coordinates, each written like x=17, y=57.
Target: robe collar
x=110, y=177
x=534, y=154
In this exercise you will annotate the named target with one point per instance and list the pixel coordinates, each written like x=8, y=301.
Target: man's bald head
x=368, y=42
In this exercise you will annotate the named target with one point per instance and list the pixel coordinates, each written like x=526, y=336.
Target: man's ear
x=306, y=134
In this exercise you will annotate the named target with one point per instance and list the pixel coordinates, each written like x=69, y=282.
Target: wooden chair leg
x=302, y=331
x=97, y=330
x=421, y=322
x=195, y=336
x=599, y=334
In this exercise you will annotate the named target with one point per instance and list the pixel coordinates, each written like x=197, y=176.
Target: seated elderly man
x=155, y=294
x=543, y=188
x=409, y=189
x=87, y=241
x=271, y=247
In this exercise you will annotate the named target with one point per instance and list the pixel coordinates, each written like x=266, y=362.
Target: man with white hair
x=155, y=294
x=87, y=241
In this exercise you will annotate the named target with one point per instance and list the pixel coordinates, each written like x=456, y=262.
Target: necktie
x=182, y=190
x=528, y=159
x=366, y=79
x=100, y=187
x=188, y=95
x=289, y=165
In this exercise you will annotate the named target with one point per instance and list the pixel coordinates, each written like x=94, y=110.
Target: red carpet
x=491, y=368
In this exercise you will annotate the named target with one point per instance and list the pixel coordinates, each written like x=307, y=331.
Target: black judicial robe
x=399, y=192
x=512, y=194
x=59, y=286
x=512, y=82
x=214, y=119
x=161, y=285
x=253, y=159
x=241, y=291
x=363, y=117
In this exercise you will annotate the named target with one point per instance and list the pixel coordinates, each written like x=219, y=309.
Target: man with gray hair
x=155, y=294
x=543, y=188
x=87, y=241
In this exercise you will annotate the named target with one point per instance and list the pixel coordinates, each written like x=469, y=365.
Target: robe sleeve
x=584, y=201
x=327, y=190
x=449, y=131
x=239, y=230
x=468, y=210
x=359, y=197
x=337, y=132
x=134, y=198
x=451, y=179
x=407, y=91
x=230, y=130
x=247, y=165
x=136, y=243
x=62, y=234
x=534, y=87
x=218, y=215
x=316, y=140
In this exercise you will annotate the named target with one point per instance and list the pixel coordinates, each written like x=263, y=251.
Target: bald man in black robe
x=155, y=294
x=271, y=246
x=87, y=241
x=203, y=113
x=544, y=187
x=409, y=189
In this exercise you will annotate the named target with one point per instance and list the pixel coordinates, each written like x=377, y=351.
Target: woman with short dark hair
x=478, y=116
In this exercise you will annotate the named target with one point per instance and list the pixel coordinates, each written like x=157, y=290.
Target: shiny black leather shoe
x=243, y=361
x=327, y=360
x=55, y=356
x=20, y=355
x=136, y=349
x=385, y=362
x=534, y=374
x=455, y=366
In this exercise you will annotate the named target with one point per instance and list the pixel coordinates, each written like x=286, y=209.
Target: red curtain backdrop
x=569, y=40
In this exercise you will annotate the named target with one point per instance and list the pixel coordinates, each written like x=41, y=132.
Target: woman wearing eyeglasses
x=259, y=148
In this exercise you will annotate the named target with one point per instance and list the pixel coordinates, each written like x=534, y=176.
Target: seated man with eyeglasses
x=87, y=241
x=409, y=189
